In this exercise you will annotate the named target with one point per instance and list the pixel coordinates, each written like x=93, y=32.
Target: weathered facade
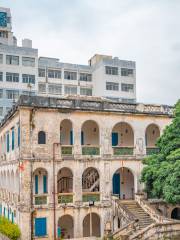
x=63, y=159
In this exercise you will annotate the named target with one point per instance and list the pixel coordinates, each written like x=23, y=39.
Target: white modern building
x=104, y=76
x=21, y=72
x=18, y=65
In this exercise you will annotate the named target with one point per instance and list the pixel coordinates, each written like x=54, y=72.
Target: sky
x=145, y=31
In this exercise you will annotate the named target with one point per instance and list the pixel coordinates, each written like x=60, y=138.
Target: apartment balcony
x=92, y=150
x=151, y=150
x=91, y=196
x=65, y=198
x=40, y=199
x=121, y=151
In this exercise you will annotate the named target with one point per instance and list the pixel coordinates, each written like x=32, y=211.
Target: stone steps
x=144, y=219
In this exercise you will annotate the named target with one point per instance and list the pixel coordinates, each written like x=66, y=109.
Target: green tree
x=161, y=174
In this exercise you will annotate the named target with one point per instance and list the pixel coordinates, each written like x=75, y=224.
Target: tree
x=161, y=174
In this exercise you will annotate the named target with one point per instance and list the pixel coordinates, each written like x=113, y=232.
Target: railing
x=40, y=199
x=123, y=150
x=67, y=150
x=65, y=198
x=90, y=150
x=151, y=150
x=91, y=196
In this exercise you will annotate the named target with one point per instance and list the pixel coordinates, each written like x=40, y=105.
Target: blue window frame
x=36, y=184
x=18, y=136
x=116, y=183
x=12, y=138
x=7, y=142
x=114, y=139
x=1, y=209
x=45, y=184
x=4, y=212
x=8, y=214
x=82, y=138
x=12, y=217
x=40, y=227
x=71, y=137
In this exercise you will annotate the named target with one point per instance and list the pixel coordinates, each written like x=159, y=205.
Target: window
x=1, y=93
x=41, y=72
x=1, y=76
x=28, y=62
x=1, y=111
x=128, y=100
x=54, y=73
x=1, y=58
x=86, y=91
x=12, y=138
x=12, y=94
x=41, y=137
x=72, y=90
x=111, y=70
x=3, y=34
x=70, y=75
x=112, y=86
x=127, y=87
x=40, y=227
x=42, y=88
x=12, y=77
x=85, y=77
x=54, y=89
x=126, y=72
x=26, y=78
x=12, y=60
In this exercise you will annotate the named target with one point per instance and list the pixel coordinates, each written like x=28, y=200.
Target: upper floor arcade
x=49, y=129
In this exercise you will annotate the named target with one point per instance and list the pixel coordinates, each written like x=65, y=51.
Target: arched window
x=41, y=137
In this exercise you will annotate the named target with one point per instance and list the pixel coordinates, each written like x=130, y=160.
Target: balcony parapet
x=40, y=199
x=91, y=196
x=118, y=150
x=65, y=198
x=151, y=150
x=91, y=150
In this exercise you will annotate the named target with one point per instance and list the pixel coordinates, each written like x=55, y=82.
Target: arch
x=92, y=225
x=122, y=135
x=41, y=137
x=175, y=214
x=90, y=133
x=90, y=180
x=66, y=132
x=123, y=183
x=65, y=180
x=40, y=181
x=66, y=227
x=152, y=134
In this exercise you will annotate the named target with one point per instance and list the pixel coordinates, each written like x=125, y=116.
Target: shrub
x=9, y=229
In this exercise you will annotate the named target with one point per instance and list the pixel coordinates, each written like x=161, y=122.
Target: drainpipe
x=31, y=172
x=54, y=189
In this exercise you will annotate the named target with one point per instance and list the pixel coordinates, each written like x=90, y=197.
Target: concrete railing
x=158, y=231
x=148, y=208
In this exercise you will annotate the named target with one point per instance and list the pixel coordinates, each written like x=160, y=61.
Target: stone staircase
x=133, y=207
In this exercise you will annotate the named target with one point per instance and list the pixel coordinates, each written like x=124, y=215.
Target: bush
x=9, y=229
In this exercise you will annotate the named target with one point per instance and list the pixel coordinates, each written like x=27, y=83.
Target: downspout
x=31, y=171
x=54, y=191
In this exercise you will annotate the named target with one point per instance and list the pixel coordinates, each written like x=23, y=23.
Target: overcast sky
x=146, y=31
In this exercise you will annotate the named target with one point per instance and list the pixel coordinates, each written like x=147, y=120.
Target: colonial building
x=64, y=160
